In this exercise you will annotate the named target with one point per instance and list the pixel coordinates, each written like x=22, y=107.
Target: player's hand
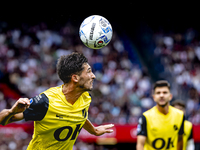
x=20, y=106
x=99, y=130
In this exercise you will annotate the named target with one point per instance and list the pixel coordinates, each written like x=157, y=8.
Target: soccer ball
x=95, y=32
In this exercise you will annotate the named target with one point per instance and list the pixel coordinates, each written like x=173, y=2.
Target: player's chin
x=162, y=104
x=89, y=88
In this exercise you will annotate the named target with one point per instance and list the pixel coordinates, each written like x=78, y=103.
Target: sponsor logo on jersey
x=175, y=127
x=59, y=116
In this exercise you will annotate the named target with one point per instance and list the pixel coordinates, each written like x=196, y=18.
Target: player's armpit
x=140, y=142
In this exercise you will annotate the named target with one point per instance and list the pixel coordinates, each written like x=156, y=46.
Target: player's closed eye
x=89, y=70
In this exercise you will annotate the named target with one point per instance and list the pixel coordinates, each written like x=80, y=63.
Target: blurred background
x=150, y=42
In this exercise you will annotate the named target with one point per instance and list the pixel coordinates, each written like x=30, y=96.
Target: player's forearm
x=139, y=147
x=180, y=142
x=5, y=116
x=89, y=127
x=99, y=130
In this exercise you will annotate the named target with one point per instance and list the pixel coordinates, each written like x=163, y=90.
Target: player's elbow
x=3, y=123
x=7, y=120
x=3, y=117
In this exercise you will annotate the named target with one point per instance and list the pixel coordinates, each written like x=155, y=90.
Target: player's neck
x=71, y=93
x=164, y=110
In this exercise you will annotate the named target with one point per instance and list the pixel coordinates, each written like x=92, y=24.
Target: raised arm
x=15, y=113
x=99, y=130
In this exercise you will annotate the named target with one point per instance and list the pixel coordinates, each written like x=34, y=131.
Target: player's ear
x=171, y=96
x=153, y=97
x=152, y=94
x=75, y=78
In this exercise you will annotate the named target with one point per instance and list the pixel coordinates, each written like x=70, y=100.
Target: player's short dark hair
x=179, y=102
x=68, y=65
x=161, y=83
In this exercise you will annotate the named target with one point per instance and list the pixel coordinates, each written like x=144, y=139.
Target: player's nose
x=93, y=76
x=161, y=94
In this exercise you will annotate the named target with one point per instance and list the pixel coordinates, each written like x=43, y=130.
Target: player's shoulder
x=175, y=110
x=86, y=96
x=187, y=123
x=53, y=91
x=150, y=111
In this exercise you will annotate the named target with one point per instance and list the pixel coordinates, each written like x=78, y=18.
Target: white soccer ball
x=95, y=32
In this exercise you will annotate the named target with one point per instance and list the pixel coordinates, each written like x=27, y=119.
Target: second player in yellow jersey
x=162, y=126
x=162, y=130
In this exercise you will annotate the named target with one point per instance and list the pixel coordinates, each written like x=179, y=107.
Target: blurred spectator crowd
x=29, y=55
x=28, y=59
x=14, y=139
x=122, y=90
x=180, y=56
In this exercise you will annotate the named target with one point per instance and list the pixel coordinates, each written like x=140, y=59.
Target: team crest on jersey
x=175, y=127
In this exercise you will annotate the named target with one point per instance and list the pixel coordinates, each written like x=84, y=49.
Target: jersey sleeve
x=38, y=108
x=191, y=134
x=181, y=131
x=142, y=126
